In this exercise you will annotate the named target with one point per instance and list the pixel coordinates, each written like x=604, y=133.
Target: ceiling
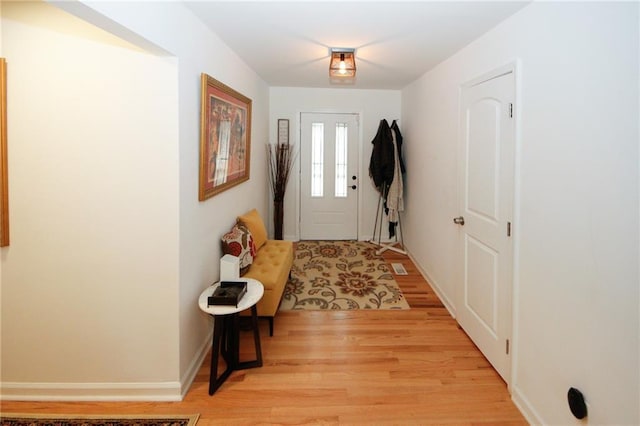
x=287, y=42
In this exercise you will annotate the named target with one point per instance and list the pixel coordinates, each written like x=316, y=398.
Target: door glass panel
x=341, y=160
x=317, y=159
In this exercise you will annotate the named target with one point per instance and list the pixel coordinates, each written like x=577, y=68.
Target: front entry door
x=328, y=176
x=486, y=210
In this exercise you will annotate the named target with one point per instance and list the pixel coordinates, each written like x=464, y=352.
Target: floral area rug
x=13, y=419
x=340, y=275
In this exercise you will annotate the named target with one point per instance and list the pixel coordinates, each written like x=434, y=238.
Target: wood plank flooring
x=345, y=367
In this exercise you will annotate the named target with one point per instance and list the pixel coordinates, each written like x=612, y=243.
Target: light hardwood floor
x=348, y=367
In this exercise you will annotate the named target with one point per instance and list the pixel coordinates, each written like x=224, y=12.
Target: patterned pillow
x=239, y=242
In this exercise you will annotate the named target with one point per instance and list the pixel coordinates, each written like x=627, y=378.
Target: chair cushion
x=272, y=264
x=271, y=267
x=253, y=221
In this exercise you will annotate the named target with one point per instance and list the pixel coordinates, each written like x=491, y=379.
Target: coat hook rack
x=386, y=169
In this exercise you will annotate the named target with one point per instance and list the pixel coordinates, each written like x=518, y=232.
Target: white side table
x=226, y=331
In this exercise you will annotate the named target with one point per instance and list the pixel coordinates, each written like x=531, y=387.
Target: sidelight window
x=317, y=159
x=341, y=160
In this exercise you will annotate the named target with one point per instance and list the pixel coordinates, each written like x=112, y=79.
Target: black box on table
x=228, y=293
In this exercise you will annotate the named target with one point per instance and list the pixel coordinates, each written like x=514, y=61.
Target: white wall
x=173, y=28
x=187, y=237
x=577, y=233
x=201, y=223
x=89, y=280
x=372, y=105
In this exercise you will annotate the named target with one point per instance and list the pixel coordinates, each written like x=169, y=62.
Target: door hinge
x=508, y=229
x=511, y=110
x=507, y=347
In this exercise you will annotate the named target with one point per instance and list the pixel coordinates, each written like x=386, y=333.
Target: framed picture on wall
x=225, y=138
x=283, y=131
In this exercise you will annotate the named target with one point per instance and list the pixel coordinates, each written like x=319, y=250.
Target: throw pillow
x=239, y=242
x=253, y=221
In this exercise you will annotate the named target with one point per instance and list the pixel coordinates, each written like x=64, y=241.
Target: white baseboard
x=195, y=364
x=525, y=407
x=521, y=402
x=434, y=285
x=19, y=391
x=120, y=392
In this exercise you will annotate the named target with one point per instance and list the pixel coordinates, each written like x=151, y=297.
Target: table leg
x=256, y=335
x=220, y=342
x=226, y=340
x=256, y=340
x=215, y=353
x=234, y=340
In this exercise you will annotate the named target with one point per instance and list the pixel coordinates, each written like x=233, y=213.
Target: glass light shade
x=343, y=63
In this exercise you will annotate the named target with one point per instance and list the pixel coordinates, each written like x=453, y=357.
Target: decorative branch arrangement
x=281, y=157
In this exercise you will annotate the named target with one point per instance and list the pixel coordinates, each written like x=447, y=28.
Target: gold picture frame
x=4, y=172
x=225, y=138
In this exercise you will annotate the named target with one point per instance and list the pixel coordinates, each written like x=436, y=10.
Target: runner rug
x=12, y=419
x=340, y=275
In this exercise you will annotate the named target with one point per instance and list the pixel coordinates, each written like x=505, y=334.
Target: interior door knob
x=459, y=220
x=353, y=187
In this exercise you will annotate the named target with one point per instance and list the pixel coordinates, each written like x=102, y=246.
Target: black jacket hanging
x=381, y=166
x=396, y=130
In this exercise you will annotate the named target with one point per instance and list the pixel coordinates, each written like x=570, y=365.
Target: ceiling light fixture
x=343, y=63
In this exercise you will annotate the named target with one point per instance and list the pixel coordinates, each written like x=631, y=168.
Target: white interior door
x=328, y=176
x=486, y=209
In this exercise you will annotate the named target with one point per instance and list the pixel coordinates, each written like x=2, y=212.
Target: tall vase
x=278, y=219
